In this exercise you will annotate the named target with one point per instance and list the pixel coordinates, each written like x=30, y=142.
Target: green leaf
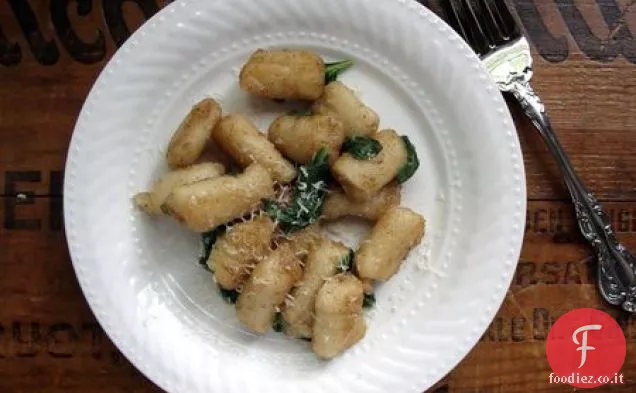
x=234, y=170
x=346, y=263
x=309, y=195
x=362, y=147
x=209, y=239
x=333, y=70
x=279, y=323
x=412, y=162
x=300, y=112
x=320, y=160
x=272, y=208
x=369, y=301
x=229, y=295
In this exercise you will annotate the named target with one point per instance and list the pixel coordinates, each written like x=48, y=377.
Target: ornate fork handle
x=616, y=266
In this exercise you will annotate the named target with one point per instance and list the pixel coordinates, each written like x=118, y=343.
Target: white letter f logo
x=584, y=347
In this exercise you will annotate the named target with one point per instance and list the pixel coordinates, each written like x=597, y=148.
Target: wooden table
x=52, y=51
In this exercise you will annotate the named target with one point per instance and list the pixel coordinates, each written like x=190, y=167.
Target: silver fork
x=491, y=30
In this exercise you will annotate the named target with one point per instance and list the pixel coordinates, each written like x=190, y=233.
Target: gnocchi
x=204, y=205
x=304, y=241
x=363, y=179
x=247, y=145
x=315, y=132
x=392, y=238
x=266, y=289
x=322, y=263
x=338, y=205
x=339, y=322
x=151, y=201
x=190, y=139
x=259, y=201
x=237, y=252
x=340, y=102
x=284, y=74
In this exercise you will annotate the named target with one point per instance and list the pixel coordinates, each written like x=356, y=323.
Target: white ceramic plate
x=140, y=275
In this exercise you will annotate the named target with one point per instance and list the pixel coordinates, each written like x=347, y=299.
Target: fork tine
x=491, y=24
x=504, y=19
x=483, y=22
x=452, y=16
x=462, y=16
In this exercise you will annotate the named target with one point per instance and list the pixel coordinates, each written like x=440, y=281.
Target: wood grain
x=585, y=55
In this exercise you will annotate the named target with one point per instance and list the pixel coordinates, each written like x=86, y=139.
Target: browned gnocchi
x=392, y=238
x=239, y=250
x=259, y=201
x=151, y=201
x=363, y=179
x=299, y=138
x=284, y=74
x=247, y=145
x=322, y=263
x=339, y=205
x=339, y=322
x=340, y=102
x=190, y=139
x=204, y=205
x=266, y=289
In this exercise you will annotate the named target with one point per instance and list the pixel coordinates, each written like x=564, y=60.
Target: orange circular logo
x=586, y=349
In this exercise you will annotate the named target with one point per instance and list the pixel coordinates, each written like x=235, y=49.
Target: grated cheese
x=319, y=185
x=302, y=208
x=424, y=260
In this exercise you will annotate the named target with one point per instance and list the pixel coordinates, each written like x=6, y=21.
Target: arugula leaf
x=346, y=263
x=208, y=239
x=279, y=323
x=362, y=147
x=412, y=162
x=310, y=192
x=333, y=70
x=229, y=295
x=369, y=301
